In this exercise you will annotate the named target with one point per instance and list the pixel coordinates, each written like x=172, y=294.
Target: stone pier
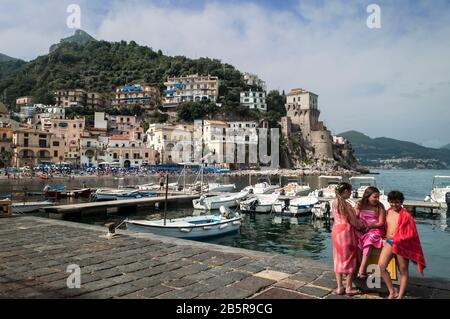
x=35, y=254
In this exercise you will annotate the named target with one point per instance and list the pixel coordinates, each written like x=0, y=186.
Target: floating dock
x=127, y=205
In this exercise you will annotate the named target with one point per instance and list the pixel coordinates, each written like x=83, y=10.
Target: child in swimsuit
x=372, y=214
x=402, y=241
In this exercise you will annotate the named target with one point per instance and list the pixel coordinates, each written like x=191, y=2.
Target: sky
x=393, y=81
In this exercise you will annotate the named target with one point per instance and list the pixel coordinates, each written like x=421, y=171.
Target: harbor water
x=291, y=236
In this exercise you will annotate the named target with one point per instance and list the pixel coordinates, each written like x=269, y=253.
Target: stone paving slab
x=35, y=254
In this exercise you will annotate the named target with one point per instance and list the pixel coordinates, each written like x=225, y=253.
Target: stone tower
x=302, y=109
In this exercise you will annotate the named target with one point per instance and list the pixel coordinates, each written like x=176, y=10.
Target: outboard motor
x=253, y=205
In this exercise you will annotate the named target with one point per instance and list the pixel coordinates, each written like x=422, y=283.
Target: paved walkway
x=35, y=254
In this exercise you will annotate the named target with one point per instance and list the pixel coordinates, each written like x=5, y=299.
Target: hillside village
x=140, y=124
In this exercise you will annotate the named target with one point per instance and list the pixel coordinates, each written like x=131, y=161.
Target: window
x=88, y=144
x=115, y=155
x=55, y=154
x=25, y=142
x=127, y=156
x=56, y=144
x=146, y=155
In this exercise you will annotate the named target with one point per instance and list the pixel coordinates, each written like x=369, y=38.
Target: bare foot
x=352, y=292
x=393, y=295
x=339, y=291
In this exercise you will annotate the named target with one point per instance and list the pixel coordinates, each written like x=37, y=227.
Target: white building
x=191, y=88
x=47, y=112
x=173, y=142
x=254, y=100
x=100, y=121
x=93, y=150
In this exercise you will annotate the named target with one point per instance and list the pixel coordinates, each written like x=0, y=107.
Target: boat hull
x=23, y=208
x=267, y=208
x=192, y=232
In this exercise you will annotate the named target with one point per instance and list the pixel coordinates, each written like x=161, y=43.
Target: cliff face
x=296, y=153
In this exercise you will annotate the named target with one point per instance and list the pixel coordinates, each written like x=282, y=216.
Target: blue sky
x=393, y=81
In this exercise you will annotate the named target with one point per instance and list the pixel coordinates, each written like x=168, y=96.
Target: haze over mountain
x=383, y=151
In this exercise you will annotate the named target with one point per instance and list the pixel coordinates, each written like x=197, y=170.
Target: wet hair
x=396, y=195
x=340, y=189
x=364, y=202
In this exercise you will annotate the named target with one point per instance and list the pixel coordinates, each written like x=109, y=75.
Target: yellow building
x=6, y=138
x=70, y=132
x=165, y=139
x=32, y=147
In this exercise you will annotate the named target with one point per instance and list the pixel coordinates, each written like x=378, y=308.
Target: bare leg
x=340, y=288
x=385, y=258
x=403, y=266
x=363, y=268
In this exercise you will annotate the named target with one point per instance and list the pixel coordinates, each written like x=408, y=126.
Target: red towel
x=407, y=242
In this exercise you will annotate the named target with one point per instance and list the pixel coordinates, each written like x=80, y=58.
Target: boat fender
x=223, y=226
x=185, y=230
x=236, y=222
x=207, y=227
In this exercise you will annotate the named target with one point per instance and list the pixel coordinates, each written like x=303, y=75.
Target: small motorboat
x=156, y=187
x=56, y=192
x=29, y=207
x=81, y=193
x=5, y=196
x=297, y=206
x=294, y=189
x=118, y=194
x=196, y=227
x=259, y=203
x=440, y=192
x=328, y=184
x=215, y=202
x=262, y=187
x=221, y=188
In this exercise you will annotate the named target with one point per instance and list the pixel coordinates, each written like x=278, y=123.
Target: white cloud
x=388, y=82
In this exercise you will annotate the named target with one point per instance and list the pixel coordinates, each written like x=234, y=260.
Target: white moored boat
x=215, y=202
x=29, y=207
x=294, y=189
x=118, y=194
x=221, y=188
x=297, y=206
x=262, y=187
x=441, y=191
x=259, y=203
x=328, y=184
x=190, y=227
x=155, y=187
